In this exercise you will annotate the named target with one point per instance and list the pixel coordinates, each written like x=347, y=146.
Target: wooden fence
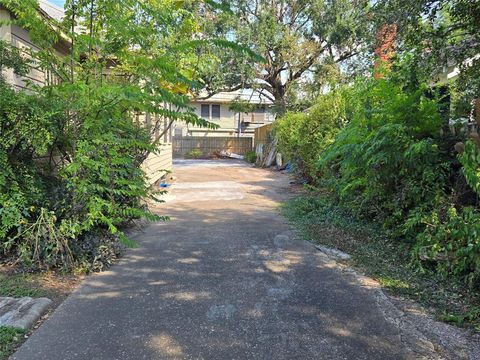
x=261, y=133
x=209, y=146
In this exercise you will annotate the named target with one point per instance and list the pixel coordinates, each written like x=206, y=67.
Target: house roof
x=249, y=95
x=51, y=10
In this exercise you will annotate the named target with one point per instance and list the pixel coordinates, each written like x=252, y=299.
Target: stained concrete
x=22, y=312
x=226, y=279
x=335, y=253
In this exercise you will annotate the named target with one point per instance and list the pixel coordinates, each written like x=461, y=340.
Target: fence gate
x=210, y=145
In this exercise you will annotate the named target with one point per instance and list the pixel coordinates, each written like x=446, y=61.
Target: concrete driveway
x=224, y=279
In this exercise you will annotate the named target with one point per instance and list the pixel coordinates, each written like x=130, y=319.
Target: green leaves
x=453, y=243
x=389, y=165
x=72, y=150
x=302, y=137
x=470, y=160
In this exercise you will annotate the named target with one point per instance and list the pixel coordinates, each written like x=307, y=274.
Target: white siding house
x=231, y=123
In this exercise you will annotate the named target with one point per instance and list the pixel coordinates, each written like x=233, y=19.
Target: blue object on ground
x=289, y=167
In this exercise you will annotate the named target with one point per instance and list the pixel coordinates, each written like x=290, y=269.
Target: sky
x=58, y=2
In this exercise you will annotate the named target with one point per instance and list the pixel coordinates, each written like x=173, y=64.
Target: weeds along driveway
x=224, y=279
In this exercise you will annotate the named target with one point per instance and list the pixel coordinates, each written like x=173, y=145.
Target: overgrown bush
x=451, y=242
x=194, y=154
x=71, y=150
x=387, y=160
x=470, y=159
x=251, y=157
x=393, y=164
x=48, y=209
x=303, y=136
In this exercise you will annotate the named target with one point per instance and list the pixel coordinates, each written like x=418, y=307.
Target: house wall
x=228, y=122
x=157, y=165
x=21, y=40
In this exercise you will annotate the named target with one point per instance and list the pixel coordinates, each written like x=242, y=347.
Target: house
x=20, y=38
x=232, y=123
x=157, y=165
x=442, y=81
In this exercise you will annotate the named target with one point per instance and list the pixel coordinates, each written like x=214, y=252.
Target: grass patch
x=53, y=285
x=9, y=338
x=321, y=221
x=19, y=285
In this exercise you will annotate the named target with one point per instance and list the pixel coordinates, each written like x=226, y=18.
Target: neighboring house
x=156, y=165
x=451, y=71
x=20, y=38
x=444, y=78
x=231, y=123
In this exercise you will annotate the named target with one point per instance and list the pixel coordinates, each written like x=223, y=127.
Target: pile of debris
x=268, y=156
x=226, y=154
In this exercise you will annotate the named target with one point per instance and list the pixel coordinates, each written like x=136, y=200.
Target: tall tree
x=438, y=34
x=295, y=38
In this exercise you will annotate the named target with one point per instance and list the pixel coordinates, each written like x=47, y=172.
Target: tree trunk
x=278, y=91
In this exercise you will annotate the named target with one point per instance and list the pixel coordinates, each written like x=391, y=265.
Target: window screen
x=205, y=111
x=215, y=111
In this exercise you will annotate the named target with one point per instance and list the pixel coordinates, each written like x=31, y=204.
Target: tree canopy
x=297, y=40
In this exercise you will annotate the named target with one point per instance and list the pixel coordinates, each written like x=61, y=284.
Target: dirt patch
x=16, y=283
x=53, y=285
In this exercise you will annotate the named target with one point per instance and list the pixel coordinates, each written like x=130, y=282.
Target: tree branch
x=213, y=92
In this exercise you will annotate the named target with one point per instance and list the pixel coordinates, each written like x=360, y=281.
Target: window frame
x=202, y=107
x=212, y=114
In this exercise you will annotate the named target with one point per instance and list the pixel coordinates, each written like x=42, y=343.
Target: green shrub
x=47, y=210
x=303, y=136
x=71, y=150
x=251, y=157
x=386, y=161
x=392, y=165
x=470, y=160
x=452, y=243
x=58, y=188
x=194, y=154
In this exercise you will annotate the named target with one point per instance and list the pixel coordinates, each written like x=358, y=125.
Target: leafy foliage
x=302, y=137
x=295, y=38
x=71, y=150
x=470, y=160
x=251, y=157
x=452, y=242
x=391, y=164
x=386, y=160
x=437, y=34
x=194, y=154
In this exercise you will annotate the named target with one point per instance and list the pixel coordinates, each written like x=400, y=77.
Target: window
x=215, y=111
x=205, y=111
